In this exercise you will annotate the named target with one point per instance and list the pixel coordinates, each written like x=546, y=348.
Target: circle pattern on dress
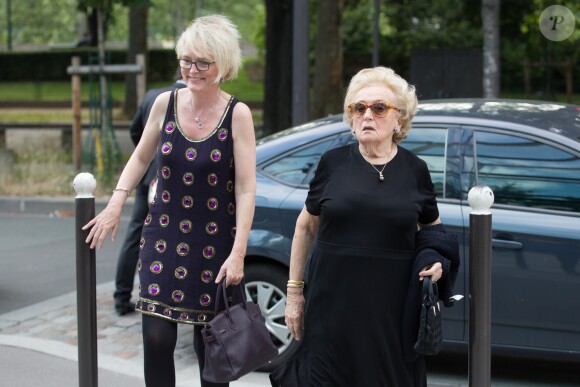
x=222, y=134
x=164, y=220
x=212, y=179
x=212, y=204
x=185, y=226
x=215, y=155
x=182, y=249
x=160, y=246
x=208, y=252
x=165, y=196
x=166, y=172
x=207, y=276
x=190, y=154
x=177, y=296
x=211, y=228
x=170, y=127
x=188, y=178
x=205, y=299
x=166, y=148
x=187, y=201
x=156, y=267
x=154, y=289
x=181, y=272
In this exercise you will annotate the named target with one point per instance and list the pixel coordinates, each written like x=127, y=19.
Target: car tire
x=266, y=286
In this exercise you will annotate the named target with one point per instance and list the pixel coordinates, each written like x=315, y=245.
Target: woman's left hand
x=233, y=270
x=435, y=271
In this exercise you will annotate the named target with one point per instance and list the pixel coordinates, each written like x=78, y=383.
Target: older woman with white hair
x=366, y=202
x=197, y=228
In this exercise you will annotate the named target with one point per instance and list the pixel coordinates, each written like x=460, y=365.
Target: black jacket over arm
x=432, y=244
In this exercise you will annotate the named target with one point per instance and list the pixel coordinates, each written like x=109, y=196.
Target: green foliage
x=37, y=22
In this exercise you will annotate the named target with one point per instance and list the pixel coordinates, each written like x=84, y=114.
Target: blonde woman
x=197, y=228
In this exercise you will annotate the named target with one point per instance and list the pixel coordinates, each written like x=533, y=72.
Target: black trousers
x=159, y=340
x=129, y=255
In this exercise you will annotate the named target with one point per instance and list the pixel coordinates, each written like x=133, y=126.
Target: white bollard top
x=84, y=184
x=480, y=198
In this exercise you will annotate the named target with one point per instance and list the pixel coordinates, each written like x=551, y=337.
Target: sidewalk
x=39, y=342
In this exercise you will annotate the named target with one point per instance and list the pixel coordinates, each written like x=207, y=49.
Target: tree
x=328, y=69
x=278, y=78
x=491, y=60
x=137, y=44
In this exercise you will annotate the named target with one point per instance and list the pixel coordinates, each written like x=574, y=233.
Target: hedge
x=51, y=65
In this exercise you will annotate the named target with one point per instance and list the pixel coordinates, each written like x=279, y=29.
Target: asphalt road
x=38, y=258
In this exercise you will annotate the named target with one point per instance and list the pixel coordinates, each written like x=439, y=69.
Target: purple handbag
x=237, y=340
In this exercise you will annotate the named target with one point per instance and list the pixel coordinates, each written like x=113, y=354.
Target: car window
x=525, y=172
x=292, y=168
x=429, y=145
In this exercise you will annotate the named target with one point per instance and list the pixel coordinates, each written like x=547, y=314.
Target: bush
x=52, y=65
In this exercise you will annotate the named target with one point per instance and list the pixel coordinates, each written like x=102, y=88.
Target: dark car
x=527, y=152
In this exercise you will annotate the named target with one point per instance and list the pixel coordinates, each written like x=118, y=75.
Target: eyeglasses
x=379, y=109
x=200, y=65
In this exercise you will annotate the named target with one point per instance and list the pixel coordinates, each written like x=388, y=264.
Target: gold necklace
x=196, y=117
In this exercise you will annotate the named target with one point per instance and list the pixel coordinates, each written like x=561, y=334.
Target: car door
x=439, y=146
x=536, y=237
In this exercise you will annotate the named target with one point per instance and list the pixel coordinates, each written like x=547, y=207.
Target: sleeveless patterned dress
x=190, y=229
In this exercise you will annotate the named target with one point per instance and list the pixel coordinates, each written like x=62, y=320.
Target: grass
x=243, y=88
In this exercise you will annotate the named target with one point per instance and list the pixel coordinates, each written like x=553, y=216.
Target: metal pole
x=480, y=199
x=300, y=62
x=84, y=184
x=376, y=34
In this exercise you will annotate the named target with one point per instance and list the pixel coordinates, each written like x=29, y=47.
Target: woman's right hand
x=100, y=225
x=295, y=313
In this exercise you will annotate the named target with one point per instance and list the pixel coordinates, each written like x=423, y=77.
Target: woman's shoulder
x=410, y=157
x=340, y=151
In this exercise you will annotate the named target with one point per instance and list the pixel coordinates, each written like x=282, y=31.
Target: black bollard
x=480, y=199
x=85, y=184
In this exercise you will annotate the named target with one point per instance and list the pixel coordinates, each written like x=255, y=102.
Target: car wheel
x=266, y=285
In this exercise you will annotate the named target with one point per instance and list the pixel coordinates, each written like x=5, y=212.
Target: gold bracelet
x=122, y=189
x=296, y=282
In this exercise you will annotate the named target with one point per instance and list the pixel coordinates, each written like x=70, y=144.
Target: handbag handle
x=222, y=289
x=430, y=288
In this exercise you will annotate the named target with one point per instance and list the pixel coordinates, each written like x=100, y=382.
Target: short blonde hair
x=406, y=99
x=217, y=36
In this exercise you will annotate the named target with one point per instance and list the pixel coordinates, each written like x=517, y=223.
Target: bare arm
x=306, y=229
x=245, y=191
x=109, y=218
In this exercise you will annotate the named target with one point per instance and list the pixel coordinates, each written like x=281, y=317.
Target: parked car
x=527, y=152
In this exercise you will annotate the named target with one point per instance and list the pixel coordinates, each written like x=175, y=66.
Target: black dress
x=360, y=270
x=190, y=229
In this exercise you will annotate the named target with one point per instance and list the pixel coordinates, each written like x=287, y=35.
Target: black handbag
x=236, y=340
x=430, y=335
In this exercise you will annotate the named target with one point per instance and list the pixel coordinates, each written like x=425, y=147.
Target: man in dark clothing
x=129, y=254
